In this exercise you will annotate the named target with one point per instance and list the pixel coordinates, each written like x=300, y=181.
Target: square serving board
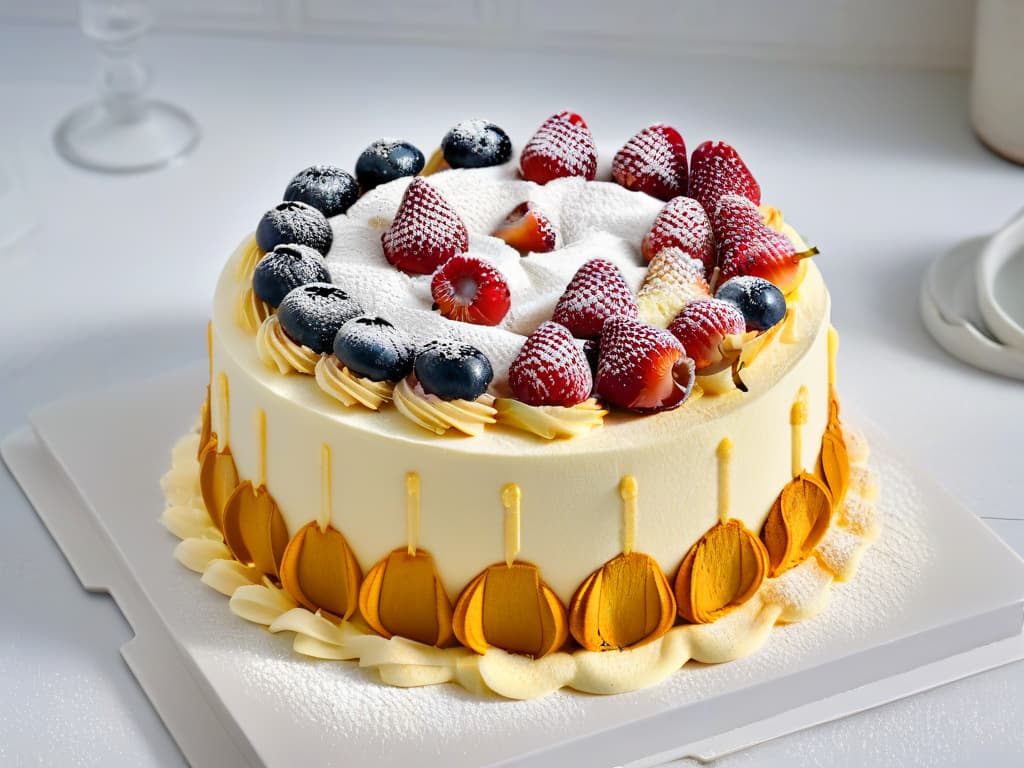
x=937, y=597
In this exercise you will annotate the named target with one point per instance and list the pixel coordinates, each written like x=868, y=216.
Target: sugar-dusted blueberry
x=313, y=314
x=327, y=188
x=761, y=302
x=476, y=144
x=386, y=160
x=373, y=348
x=294, y=222
x=285, y=268
x=453, y=371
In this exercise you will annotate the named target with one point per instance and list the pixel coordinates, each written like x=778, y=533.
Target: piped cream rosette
x=430, y=412
x=277, y=350
x=339, y=382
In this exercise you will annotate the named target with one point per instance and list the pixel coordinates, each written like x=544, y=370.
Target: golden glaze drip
x=412, y=512
x=511, y=500
x=797, y=420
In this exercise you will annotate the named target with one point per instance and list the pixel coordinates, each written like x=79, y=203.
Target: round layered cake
x=521, y=409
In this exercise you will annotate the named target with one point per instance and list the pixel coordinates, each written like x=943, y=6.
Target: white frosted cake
x=522, y=420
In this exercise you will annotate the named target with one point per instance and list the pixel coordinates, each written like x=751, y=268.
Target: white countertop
x=878, y=168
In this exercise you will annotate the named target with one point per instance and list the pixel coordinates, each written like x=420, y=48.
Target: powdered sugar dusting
x=594, y=218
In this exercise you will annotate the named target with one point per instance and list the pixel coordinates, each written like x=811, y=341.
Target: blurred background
x=856, y=117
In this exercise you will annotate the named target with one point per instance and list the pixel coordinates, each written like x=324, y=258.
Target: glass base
x=90, y=137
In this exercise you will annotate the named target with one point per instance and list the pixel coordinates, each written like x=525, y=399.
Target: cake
x=523, y=425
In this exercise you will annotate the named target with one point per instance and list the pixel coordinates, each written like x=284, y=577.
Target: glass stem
x=123, y=80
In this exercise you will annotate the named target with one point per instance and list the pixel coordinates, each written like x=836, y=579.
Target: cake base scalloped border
x=798, y=594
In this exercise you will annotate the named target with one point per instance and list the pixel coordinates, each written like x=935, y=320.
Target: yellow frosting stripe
x=833, y=350
x=223, y=389
x=278, y=351
x=344, y=386
x=412, y=512
x=797, y=420
x=628, y=491
x=261, y=437
x=550, y=421
x=724, y=454
x=326, y=489
x=511, y=500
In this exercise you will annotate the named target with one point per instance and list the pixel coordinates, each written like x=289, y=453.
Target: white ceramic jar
x=997, y=87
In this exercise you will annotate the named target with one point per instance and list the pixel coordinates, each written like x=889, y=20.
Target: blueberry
x=312, y=314
x=295, y=223
x=373, y=348
x=386, y=160
x=476, y=144
x=287, y=267
x=453, y=371
x=760, y=301
x=328, y=189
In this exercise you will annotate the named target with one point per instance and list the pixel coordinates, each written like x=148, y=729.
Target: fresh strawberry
x=426, y=231
x=550, y=369
x=748, y=246
x=528, y=230
x=642, y=368
x=596, y=292
x=701, y=328
x=562, y=146
x=716, y=169
x=653, y=161
x=470, y=290
x=672, y=281
x=682, y=224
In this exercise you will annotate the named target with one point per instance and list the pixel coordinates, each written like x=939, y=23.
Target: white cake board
x=232, y=694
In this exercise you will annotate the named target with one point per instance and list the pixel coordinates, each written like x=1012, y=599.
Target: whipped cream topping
x=594, y=219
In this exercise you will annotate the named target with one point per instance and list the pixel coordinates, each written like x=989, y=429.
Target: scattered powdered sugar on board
x=339, y=708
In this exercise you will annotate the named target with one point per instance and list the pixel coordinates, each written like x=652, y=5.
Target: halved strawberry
x=550, y=369
x=717, y=169
x=596, y=292
x=683, y=224
x=642, y=368
x=528, y=230
x=702, y=326
x=653, y=161
x=426, y=231
x=562, y=146
x=748, y=246
x=470, y=290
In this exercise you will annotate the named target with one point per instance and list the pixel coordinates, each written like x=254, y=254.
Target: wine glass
x=124, y=131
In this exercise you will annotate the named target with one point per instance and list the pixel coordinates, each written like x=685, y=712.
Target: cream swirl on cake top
x=595, y=220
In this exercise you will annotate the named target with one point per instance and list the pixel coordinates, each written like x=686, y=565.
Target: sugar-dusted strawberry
x=702, y=326
x=642, y=368
x=672, y=281
x=426, y=231
x=596, y=292
x=683, y=224
x=562, y=146
x=748, y=246
x=717, y=169
x=528, y=230
x=550, y=369
x=471, y=290
x=653, y=161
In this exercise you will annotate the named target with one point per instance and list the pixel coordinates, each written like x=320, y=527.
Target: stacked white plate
x=972, y=301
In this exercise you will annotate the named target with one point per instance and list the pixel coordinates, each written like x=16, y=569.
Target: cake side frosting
x=570, y=504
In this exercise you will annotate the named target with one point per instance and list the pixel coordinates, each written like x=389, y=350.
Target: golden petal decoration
x=218, y=478
x=625, y=603
x=254, y=528
x=798, y=520
x=834, y=464
x=402, y=595
x=319, y=570
x=508, y=606
x=206, y=429
x=720, y=572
